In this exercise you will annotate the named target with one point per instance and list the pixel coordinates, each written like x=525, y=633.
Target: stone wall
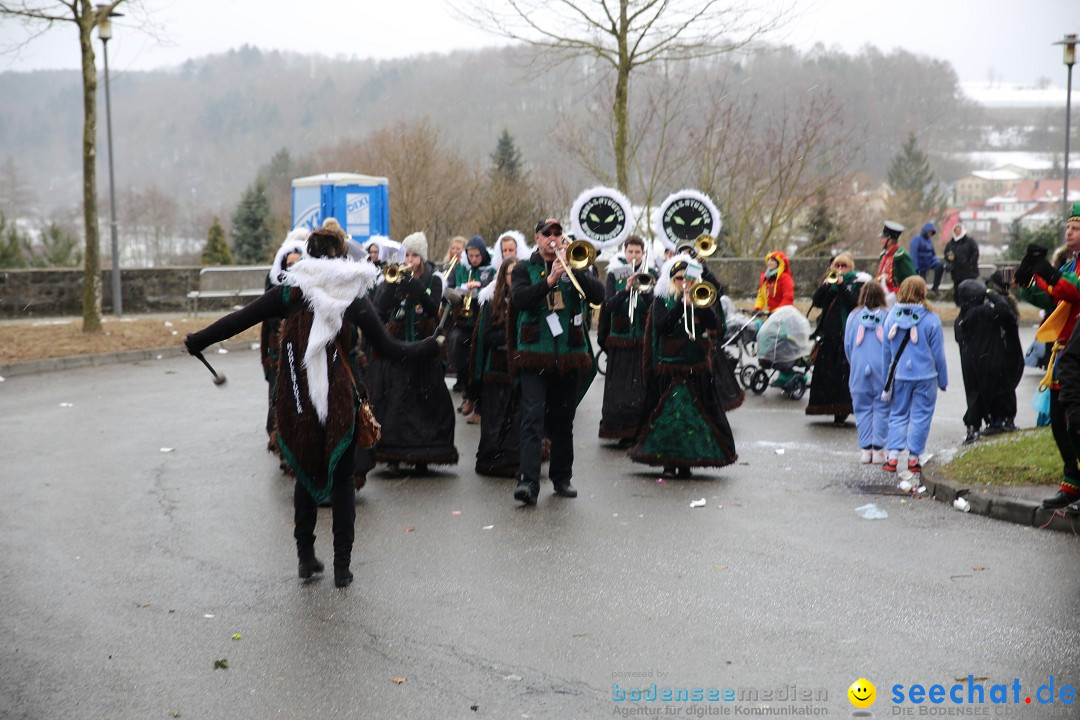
x=38, y=293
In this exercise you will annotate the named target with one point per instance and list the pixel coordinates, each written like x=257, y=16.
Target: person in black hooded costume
x=990, y=358
x=470, y=278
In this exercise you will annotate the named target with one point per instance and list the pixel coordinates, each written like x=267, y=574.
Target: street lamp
x=105, y=34
x=1069, y=44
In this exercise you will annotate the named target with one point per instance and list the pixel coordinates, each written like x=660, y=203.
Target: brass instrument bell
x=580, y=254
x=703, y=294
x=397, y=273
x=705, y=245
x=832, y=278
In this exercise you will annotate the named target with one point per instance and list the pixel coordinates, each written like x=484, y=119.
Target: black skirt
x=829, y=392
x=624, y=393
x=500, y=430
x=413, y=405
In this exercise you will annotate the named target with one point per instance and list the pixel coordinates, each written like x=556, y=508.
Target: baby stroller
x=783, y=354
x=740, y=341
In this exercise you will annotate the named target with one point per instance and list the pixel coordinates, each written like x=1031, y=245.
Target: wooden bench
x=236, y=283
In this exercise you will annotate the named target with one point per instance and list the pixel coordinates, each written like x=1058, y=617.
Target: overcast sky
x=1007, y=40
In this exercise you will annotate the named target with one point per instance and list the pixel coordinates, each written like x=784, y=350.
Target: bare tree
x=85, y=15
x=625, y=35
x=766, y=169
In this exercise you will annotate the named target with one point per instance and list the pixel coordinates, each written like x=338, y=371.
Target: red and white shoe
x=866, y=457
x=890, y=465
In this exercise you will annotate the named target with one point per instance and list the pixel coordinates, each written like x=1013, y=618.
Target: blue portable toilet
x=360, y=203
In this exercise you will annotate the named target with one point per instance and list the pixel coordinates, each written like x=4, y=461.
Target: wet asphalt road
x=126, y=571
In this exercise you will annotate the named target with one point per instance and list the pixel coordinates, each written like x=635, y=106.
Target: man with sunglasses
x=551, y=357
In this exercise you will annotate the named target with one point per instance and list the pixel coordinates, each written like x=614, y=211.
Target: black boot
x=972, y=435
x=309, y=565
x=342, y=576
x=565, y=489
x=684, y=473
x=526, y=491
x=1060, y=500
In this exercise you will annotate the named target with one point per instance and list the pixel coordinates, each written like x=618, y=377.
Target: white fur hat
x=416, y=244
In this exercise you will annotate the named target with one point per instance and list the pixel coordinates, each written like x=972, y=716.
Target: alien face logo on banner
x=601, y=218
x=686, y=219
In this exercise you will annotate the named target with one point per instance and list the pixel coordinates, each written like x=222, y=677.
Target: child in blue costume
x=920, y=372
x=863, y=340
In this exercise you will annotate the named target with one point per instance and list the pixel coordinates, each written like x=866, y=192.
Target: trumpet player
x=836, y=296
x=628, y=297
x=410, y=398
x=468, y=277
x=684, y=424
x=550, y=354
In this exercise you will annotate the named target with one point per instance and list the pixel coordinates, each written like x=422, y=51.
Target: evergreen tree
x=916, y=197
x=821, y=228
x=1047, y=235
x=277, y=176
x=11, y=244
x=59, y=248
x=251, y=227
x=506, y=160
x=217, y=250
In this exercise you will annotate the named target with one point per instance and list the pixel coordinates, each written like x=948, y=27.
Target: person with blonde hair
x=914, y=353
x=837, y=295
x=864, y=337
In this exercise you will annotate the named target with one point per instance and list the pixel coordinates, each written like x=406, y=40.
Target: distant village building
x=981, y=184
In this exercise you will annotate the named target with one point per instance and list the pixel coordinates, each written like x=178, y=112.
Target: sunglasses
x=841, y=265
x=550, y=233
x=680, y=278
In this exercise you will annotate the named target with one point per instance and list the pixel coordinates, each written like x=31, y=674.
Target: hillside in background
x=199, y=133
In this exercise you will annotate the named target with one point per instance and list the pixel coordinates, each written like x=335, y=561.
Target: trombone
x=705, y=245
x=702, y=295
x=578, y=255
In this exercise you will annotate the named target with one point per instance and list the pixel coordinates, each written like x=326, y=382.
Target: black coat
x=963, y=258
x=829, y=392
x=991, y=359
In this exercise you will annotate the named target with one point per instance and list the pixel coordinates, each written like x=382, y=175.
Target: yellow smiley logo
x=862, y=693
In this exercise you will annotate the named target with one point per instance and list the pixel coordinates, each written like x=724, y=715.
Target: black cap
x=547, y=223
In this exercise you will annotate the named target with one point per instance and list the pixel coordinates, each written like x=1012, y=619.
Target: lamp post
x=105, y=34
x=1069, y=44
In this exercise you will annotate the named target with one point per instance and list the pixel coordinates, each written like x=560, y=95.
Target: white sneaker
x=879, y=457
x=866, y=457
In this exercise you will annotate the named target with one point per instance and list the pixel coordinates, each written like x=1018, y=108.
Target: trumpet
x=397, y=273
x=466, y=306
x=578, y=255
x=702, y=295
x=832, y=278
x=639, y=282
x=705, y=245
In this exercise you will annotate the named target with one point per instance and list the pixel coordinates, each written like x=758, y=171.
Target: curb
x=71, y=362
x=999, y=507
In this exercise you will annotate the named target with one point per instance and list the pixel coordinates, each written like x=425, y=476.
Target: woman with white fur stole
x=914, y=353
x=322, y=301
x=686, y=425
x=410, y=399
x=293, y=249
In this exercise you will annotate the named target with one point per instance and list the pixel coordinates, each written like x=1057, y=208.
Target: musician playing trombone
x=628, y=296
x=685, y=424
x=550, y=353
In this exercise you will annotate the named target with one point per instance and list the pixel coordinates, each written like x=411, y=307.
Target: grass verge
x=1026, y=457
x=27, y=340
